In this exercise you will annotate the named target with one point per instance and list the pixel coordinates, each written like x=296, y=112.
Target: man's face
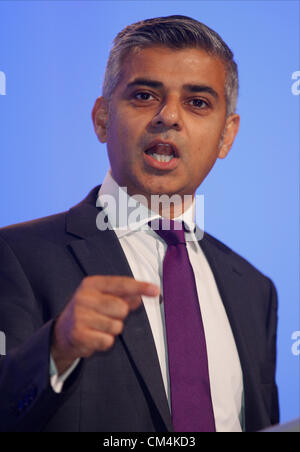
x=169, y=102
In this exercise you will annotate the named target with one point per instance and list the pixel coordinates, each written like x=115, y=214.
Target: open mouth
x=161, y=156
x=162, y=152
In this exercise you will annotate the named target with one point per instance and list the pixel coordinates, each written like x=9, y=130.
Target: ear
x=229, y=134
x=100, y=118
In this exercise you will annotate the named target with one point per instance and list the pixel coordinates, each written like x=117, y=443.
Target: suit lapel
x=233, y=291
x=100, y=253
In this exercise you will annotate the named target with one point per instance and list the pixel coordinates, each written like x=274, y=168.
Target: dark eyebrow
x=189, y=87
x=145, y=82
x=201, y=89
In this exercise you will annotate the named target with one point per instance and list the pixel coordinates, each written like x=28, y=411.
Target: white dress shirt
x=145, y=252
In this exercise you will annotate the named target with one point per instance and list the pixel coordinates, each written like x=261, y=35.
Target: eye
x=143, y=95
x=199, y=103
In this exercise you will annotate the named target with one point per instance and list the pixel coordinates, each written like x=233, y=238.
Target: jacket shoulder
x=240, y=263
x=51, y=226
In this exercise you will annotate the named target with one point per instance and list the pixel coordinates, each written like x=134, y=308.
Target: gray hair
x=175, y=32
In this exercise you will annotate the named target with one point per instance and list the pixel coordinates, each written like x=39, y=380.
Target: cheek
x=122, y=134
x=208, y=143
x=201, y=161
x=121, y=149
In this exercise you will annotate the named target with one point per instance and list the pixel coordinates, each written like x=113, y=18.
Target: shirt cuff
x=57, y=381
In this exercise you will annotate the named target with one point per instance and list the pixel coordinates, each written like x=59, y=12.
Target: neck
x=168, y=206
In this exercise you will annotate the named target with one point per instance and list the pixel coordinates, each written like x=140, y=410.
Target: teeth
x=162, y=158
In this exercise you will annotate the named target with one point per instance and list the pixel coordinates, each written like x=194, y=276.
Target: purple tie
x=191, y=402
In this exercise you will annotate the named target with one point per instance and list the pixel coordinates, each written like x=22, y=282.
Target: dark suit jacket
x=42, y=264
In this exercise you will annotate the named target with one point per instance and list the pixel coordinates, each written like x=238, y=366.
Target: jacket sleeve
x=272, y=341
x=27, y=398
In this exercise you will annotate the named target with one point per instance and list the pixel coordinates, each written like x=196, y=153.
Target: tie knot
x=172, y=232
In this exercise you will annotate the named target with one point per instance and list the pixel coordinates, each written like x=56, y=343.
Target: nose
x=168, y=116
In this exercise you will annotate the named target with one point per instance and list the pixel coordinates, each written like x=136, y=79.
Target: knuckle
x=106, y=342
x=117, y=283
x=105, y=325
x=111, y=326
x=86, y=353
x=118, y=327
x=85, y=282
x=125, y=309
x=114, y=306
x=89, y=282
x=125, y=285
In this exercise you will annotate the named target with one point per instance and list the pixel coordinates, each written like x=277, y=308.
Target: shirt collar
x=127, y=214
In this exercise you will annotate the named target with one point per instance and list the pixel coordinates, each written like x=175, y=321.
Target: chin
x=157, y=188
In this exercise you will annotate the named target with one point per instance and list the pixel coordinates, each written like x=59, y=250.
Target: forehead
x=174, y=68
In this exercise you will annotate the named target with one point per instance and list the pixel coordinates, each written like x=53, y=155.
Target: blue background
x=54, y=54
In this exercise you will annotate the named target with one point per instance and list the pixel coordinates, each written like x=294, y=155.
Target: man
x=128, y=327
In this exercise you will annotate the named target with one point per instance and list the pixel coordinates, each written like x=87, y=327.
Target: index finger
x=123, y=286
